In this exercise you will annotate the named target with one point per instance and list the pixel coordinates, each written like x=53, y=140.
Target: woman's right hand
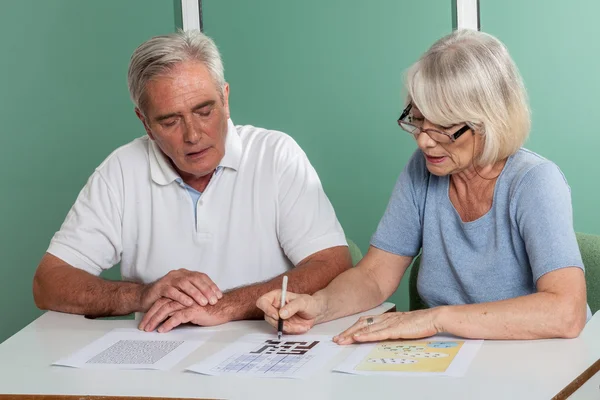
x=299, y=313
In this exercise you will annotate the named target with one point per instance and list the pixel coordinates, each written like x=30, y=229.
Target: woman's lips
x=434, y=160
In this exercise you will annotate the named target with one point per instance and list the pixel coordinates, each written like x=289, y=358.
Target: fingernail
x=213, y=300
x=357, y=334
x=189, y=302
x=275, y=317
x=203, y=302
x=160, y=330
x=219, y=295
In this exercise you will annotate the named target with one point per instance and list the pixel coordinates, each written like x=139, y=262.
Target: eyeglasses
x=415, y=126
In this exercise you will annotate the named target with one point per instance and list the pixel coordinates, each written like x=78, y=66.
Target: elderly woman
x=493, y=220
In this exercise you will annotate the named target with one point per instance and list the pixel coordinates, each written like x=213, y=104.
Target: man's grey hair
x=469, y=76
x=160, y=54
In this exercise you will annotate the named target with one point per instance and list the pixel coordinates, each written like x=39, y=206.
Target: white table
x=501, y=370
x=589, y=390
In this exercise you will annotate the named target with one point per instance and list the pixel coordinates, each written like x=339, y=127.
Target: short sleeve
x=400, y=230
x=544, y=216
x=306, y=220
x=90, y=237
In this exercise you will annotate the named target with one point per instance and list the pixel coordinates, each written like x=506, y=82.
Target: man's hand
x=183, y=286
x=171, y=313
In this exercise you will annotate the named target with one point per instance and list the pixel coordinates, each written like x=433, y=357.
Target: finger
x=272, y=321
x=151, y=318
x=180, y=297
x=289, y=327
x=275, y=298
x=214, y=287
x=191, y=290
x=373, y=335
x=163, y=313
x=358, y=325
x=295, y=328
x=178, y=318
x=379, y=330
x=295, y=304
x=206, y=286
x=151, y=311
x=361, y=323
x=269, y=303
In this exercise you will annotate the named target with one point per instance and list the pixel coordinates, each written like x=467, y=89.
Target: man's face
x=186, y=115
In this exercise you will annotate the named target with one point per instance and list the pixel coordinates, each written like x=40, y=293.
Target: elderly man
x=204, y=216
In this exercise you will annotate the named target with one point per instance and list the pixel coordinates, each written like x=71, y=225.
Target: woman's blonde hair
x=469, y=76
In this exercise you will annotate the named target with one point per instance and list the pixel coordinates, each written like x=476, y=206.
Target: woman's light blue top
x=527, y=233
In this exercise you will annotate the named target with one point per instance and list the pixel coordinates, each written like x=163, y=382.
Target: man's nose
x=192, y=132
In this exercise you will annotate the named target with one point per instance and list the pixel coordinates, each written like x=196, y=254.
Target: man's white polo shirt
x=264, y=208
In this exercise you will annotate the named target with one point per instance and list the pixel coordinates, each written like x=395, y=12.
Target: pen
x=280, y=322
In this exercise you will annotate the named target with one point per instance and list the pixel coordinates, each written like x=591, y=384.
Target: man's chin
x=197, y=171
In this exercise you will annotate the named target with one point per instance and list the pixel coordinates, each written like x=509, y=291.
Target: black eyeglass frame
x=452, y=136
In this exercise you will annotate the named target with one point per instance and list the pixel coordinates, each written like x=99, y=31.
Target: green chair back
x=589, y=245
x=354, y=252
x=414, y=300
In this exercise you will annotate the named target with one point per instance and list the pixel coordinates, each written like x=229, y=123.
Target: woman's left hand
x=397, y=325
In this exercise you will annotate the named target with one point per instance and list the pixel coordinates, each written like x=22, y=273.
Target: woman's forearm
x=353, y=291
x=536, y=316
x=363, y=287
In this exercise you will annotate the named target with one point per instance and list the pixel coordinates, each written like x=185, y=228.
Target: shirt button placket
x=199, y=216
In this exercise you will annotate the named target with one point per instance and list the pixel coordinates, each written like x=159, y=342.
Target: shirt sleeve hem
x=564, y=265
x=387, y=248
x=325, y=242
x=73, y=258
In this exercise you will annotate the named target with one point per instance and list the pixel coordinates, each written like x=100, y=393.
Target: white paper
x=135, y=349
x=262, y=355
x=421, y=357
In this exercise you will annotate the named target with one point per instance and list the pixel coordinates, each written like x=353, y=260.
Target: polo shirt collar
x=163, y=173
x=233, y=148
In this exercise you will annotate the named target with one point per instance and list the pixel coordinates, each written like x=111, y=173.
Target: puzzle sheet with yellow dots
x=411, y=356
x=438, y=357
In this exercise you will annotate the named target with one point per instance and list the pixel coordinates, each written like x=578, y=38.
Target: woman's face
x=446, y=158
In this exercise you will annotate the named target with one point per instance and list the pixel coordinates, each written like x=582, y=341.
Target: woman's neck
x=472, y=191
x=475, y=177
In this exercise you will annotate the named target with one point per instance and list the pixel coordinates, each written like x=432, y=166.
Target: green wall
x=556, y=46
x=64, y=107
x=329, y=73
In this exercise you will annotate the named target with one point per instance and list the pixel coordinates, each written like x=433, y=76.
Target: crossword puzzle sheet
x=261, y=355
x=134, y=349
x=435, y=356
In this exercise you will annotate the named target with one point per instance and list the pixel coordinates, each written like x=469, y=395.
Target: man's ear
x=142, y=118
x=226, y=99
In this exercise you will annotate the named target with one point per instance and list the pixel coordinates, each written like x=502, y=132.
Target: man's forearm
x=67, y=289
x=311, y=275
